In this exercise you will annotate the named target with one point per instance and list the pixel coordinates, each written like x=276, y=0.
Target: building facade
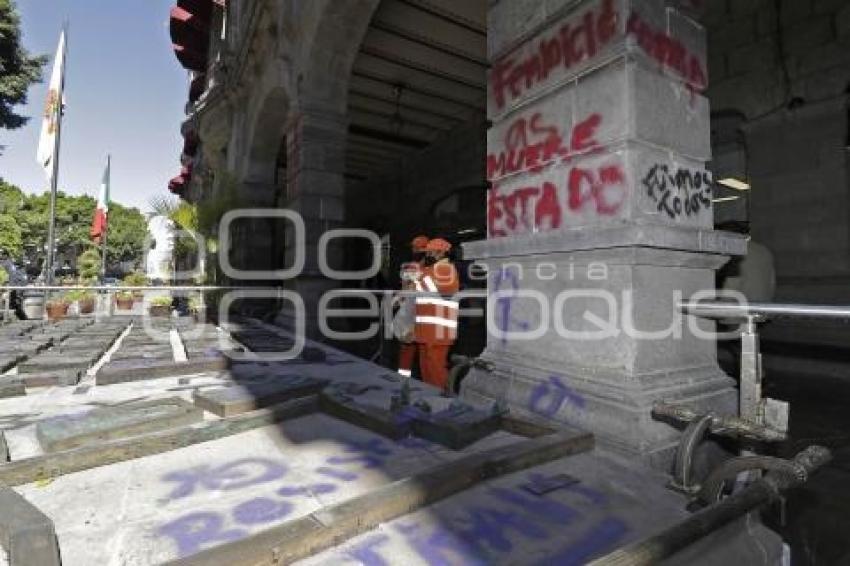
x=447, y=118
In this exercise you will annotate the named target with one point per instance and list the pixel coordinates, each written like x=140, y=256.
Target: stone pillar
x=599, y=218
x=315, y=184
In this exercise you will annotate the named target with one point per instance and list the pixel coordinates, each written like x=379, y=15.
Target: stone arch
x=330, y=50
x=268, y=128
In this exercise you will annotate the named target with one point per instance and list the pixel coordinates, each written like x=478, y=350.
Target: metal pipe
x=723, y=426
x=712, y=487
x=719, y=309
x=655, y=549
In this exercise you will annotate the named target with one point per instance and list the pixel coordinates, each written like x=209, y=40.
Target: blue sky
x=125, y=95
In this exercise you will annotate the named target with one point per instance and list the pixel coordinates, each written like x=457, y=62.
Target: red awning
x=181, y=18
x=189, y=25
x=191, y=59
x=201, y=8
x=177, y=185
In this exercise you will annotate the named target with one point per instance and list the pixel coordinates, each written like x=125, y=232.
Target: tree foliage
x=10, y=236
x=26, y=222
x=18, y=70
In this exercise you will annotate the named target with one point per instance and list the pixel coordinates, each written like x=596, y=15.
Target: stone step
x=140, y=370
x=11, y=387
x=249, y=395
x=111, y=423
x=54, y=378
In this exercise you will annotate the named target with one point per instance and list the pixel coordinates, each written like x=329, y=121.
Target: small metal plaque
x=541, y=485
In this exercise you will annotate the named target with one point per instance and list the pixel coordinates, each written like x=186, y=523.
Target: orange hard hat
x=438, y=245
x=419, y=243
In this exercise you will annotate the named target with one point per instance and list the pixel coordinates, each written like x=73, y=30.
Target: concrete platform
x=185, y=501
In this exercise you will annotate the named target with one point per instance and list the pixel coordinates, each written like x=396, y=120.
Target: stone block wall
x=762, y=54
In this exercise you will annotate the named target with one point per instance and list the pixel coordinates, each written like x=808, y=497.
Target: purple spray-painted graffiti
x=195, y=531
x=600, y=538
x=548, y=398
x=261, y=510
x=231, y=476
x=476, y=534
x=489, y=531
x=371, y=454
x=506, y=282
x=365, y=553
x=440, y=546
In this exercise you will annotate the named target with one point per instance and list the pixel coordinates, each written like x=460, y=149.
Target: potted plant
x=85, y=300
x=136, y=279
x=197, y=308
x=57, y=308
x=160, y=306
x=124, y=300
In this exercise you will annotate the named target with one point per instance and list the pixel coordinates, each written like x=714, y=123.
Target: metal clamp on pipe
x=698, y=425
x=732, y=427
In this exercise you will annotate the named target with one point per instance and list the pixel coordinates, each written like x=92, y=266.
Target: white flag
x=52, y=109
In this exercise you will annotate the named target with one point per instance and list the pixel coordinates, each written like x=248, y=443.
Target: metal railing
x=110, y=291
x=764, y=311
x=753, y=407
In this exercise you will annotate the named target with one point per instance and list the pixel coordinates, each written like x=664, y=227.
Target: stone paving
x=174, y=504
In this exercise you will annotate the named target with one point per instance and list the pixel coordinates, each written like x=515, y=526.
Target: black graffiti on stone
x=680, y=192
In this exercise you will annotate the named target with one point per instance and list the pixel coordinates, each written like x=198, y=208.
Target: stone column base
x=617, y=408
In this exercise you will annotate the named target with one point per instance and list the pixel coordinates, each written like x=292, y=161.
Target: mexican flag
x=98, y=225
x=52, y=111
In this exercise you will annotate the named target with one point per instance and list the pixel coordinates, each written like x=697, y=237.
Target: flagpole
x=54, y=177
x=106, y=226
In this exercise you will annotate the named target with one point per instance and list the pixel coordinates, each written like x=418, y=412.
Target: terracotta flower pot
x=56, y=311
x=86, y=305
x=124, y=303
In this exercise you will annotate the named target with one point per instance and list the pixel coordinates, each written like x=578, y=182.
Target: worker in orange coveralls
x=406, y=317
x=436, y=314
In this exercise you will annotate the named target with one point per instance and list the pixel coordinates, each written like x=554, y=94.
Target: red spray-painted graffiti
x=578, y=39
x=668, y=52
x=581, y=38
x=531, y=143
x=599, y=191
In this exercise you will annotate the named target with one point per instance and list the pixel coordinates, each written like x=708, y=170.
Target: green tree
x=10, y=236
x=11, y=198
x=127, y=228
x=18, y=70
x=127, y=231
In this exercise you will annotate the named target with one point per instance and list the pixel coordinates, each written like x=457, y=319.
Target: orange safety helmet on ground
x=419, y=243
x=439, y=245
